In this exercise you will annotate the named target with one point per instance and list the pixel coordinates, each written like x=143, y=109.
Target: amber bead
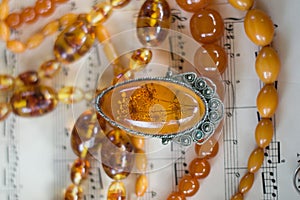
x=4, y=7
x=15, y=46
x=267, y=65
x=116, y=191
x=74, y=42
x=237, y=196
x=67, y=20
x=4, y=31
x=188, y=185
x=140, y=58
x=73, y=192
x=70, y=94
x=60, y=1
x=246, y=183
x=119, y=3
x=267, y=101
x=5, y=110
x=153, y=21
x=207, y=150
x=206, y=26
x=117, y=155
x=137, y=141
x=199, y=168
x=259, y=27
x=51, y=28
x=35, y=40
x=29, y=77
x=255, y=160
x=30, y=101
x=152, y=106
x=87, y=134
x=13, y=20
x=49, y=69
x=141, y=160
x=44, y=7
x=99, y=13
x=141, y=185
x=192, y=5
x=28, y=15
x=264, y=133
x=80, y=170
x=101, y=33
x=176, y=196
x=241, y=4
x=7, y=82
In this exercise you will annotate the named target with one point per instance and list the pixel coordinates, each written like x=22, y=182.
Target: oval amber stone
x=140, y=58
x=70, y=94
x=237, y=196
x=207, y=26
x=35, y=40
x=176, y=196
x=30, y=101
x=74, y=42
x=15, y=46
x=4, y=7
x=207, y=150
x=13, y=20
x=141, y=160
x=79, y=171
x=259, y=27
x=44, y=7
x=267, y=101
x=7, y=82
x=255, y=160
x=192, y=5
x=199, y=168
x=49, y=69
x=116, y=190
x=73, y=192
x=100, y=13
x=5, y=110
x=28, y=15
x=50, y=28
x=246, y=183
x=188, y=185
x=152, y=107
x=267, y=65
x=137, y=141
x=29, y=78
x=4, y=31
x=117, y=155
x=141, y=185
x=154, y=19
x=241, y=4
x=67, y=20
x=119, y=3
x=264, y=132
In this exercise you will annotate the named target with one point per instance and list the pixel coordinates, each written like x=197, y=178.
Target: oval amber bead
x=188, y=185
x=207, y=150
x=99, y=13
x=141, y=160
x=7, y=82
x=50, y=28
x=153, y=107
x=49, y=69
x=70, y=94
x=117, y=155
x=140, y=58
x=73, y=192
x=29, y=77
x=206, y=26
x=13, y=20
x=116, y=191
x=246, y=183
x=28, y=15
x=67, y=20
x=259, y=27
x=237, y=196
x=5, y=110
x=154, y=19
x=267, y=65
x=30, y=101
x=192, y=5
x=255, y=160
x=176, y=196
x=199, y=168
x=44, y=7
x=79, y=171
x=141, y=185
x=137, y=141
x=101, y=33
x=267, y=101
x=4, y=7
x=119, y=3
x=4, y=31
x=35, y=40
x=264, y=132
x=74, y=42
x=241, y=4
x=15, y=46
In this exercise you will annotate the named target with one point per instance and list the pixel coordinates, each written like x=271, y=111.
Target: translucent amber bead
x=117, y=155
x=5, y=110
x=176, y=196
x=4, y=31
x=74, y=42
x=70, y=94
x=4, y=7
x=79, y=171
x=141, y=160
x=30, y=101
x=7, y=82
x=255, y=160
x=15, y=46
x=67, y=19
x=116, y=191
x=28, y=15
x=74, y=192
x=207, y=26
x=199, y=168
x=44, y=7
x=264, y=132
x=101, y=33
x=154, y=19
x=188, y=185
x=237, y=196
x=141, y=185
x=192, y=5
x=267, y=65
x=13, y=20
x=50, y=28
x=259, y=27
x=267, y=101
x=119, y=3
x=87, y=134
x=246, y=183
x=29, y=78
x=207, y=150
x=140, y=58
x=35, y=40
x=241, y=4
x=49, y=69
x=100, y=13
x=137, y=141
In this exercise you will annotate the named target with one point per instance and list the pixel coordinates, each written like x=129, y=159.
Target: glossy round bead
x=28, y=15
x=206, y=26
x=199, y=168
x=29, y=77
x=67, y=20
x=15, y=46
x=4, y=31
x=141, y=185
x=192, y=5
x=13, y=20
x=207, y=150
x=7, y=82
x=119, y=3
x=4, y=7
x=188, y=185
x=255, y=160
x=116, y=191
x=264, y=132
x=241, y=4
x=246, y=183
x=176, y=196
x=237, y=196
x=259, y=27
x=267, y=101
x=5, y=110
x=35, y=40
x=44, y=7
x=141, y=160
x=51, y=28
x=79, y=171
x=267, y=65
x=101, y=33
x=137, y=141
x=140, y=58
x=73, y=192
x=70, y=94
x=49, y=69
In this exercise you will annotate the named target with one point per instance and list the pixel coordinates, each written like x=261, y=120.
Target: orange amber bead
x=176, y=196
x=7, y=82
x=29, y=78
x=246, y=183
x=267, y=101
x=207, y=150
x=35, y=40
x=67, y=19
x=264, y=132
x=5, y=110
x=15, y=46
x=137, y=141
x=44, y=7
x=188, y=185
x=237, y=196
x=49, y=69
x=192, y=5
x=28, y=15
x=60, y=1
x=141, y=160
x=73, y=192
x=101, y=33
x=51, y=28
x=116, y=191
x=13, y=20
x=79, y=171
x=119, y=3
x=141, y=185
x=199, y=168
x=255, y=160
x=206, y=26
x=241, y=4
x=4, y=31
x=4, y=7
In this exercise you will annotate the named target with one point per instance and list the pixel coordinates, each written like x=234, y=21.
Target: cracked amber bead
x=116, y=191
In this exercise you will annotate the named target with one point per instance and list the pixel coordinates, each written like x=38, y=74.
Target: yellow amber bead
x=267, y=101
x=73, y=192
x=192, y=5
x=67, y=20
x=4, y=31
x=255, y=160
x=237, y=196
x=116, y=191
x=4, y=7
x=259, y=27
x=100, y=13
x=119, y=3
x=49, y=69
x=246, y=183
x=188, y=185
x=140, y=58
x=15, y=46
x=50, y=28
x=101, y=33
x=176, y=196
x=29, y=78
x=264, y=132
x=80, y=170
x=137, y=141
x=30, y=101
x=7, y=82
x=5, y=110
x=154, y=20
x=267, y=65
x=141, y=160
x=35, y=40
x=241, y=4
x=141, y=185
x=70, y=94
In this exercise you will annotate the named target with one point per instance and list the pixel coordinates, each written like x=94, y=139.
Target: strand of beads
x=260, y=30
